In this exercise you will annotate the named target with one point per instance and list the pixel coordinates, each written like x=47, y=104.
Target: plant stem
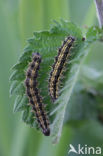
x=99, y=10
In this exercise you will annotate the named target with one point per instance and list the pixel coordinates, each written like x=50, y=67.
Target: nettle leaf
x=20, y=103
x=17, y=76
x=47, y=44
x=94, y=34
x=17, y=88
x=28, y=118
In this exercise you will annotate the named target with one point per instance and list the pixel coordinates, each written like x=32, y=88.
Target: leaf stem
x=99, y=10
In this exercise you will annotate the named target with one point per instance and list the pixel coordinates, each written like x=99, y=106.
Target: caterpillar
x=33, y=94
x=58, y=67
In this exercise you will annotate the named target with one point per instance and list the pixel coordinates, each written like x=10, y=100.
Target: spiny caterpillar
x=33, y=94
x=58, y=67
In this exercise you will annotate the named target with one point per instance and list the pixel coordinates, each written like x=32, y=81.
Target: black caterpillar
x=58, y=67
x=34, y=95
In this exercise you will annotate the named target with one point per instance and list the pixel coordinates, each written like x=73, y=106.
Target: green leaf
x=47, y=44
x=21, y=103
x=28, y=118
x=19, y=66
x=17, y=88
x=94, y=33
x=17, y=76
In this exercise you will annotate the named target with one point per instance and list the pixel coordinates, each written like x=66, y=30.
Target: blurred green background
x=18, y=20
